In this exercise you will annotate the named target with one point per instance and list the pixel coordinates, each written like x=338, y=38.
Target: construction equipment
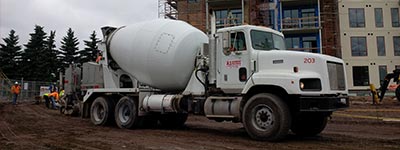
x=379, y=94
x=160, y=71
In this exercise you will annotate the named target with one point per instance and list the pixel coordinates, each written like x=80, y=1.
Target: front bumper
x=323, y=103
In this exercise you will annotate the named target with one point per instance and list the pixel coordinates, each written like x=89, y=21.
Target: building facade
x=370, y=40
x=308, y=25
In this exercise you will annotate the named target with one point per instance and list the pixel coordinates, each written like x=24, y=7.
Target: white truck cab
x=243, y=74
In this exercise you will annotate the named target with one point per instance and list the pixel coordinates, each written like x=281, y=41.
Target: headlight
x=312, y=84
x=301, y=85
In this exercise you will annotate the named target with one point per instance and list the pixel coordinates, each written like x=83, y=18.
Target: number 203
x=309, y=60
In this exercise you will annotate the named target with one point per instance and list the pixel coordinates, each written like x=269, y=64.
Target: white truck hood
x=277, y=67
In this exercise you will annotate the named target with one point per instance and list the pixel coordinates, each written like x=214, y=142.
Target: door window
x=238, y=42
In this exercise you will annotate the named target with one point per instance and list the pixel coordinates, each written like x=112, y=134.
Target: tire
x=126, y=113
x=174, y=120
x=63, y=108
x=102, y=111
x=398, y=93
x=266, y=117
x=309, y=124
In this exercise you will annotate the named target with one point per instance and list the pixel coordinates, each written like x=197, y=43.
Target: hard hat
x=16, y=83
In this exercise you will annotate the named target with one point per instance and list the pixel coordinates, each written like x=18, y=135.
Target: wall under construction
x=255, y=12
x=330, y=28
x=192, y=12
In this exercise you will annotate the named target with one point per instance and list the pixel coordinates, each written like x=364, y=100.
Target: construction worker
x=46, y=99
x=53, y=88
x=61, y=92
x=15, y=90
x=54, y=97
x=99, y=57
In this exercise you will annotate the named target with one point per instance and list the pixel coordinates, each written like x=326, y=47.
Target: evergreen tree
x=69, y=49
x=90, y=51
x=34, y=56
x=52, y=63
x=10, y=55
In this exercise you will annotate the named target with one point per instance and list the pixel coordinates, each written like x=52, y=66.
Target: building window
x=382, y=73
x=380, y=43
x=292, y=43
x=358, y=46
x=290, y=19
x=291, y=13
x=396, y=45
x=308, y=18
x=227, y=18
x=378, y=17
x=356, y=17
x=395, y=17
x=236, y=16
x=310, y=44
x=193, y=1
x=360, y=76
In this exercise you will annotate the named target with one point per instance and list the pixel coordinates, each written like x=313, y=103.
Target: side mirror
x=225, y=40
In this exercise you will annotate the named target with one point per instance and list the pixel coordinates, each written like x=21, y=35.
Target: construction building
x=370, y=40
x=304, y=22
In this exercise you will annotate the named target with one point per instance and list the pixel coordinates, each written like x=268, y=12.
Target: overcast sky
x=83, y=16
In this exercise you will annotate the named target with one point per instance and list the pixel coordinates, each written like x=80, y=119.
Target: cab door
x=232, y=61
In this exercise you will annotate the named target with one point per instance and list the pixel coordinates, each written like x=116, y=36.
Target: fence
x=29, y=89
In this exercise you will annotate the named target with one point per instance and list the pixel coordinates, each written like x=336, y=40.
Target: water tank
x=160, y=53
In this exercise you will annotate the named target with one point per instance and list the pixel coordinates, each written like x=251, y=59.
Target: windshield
x=262, y=40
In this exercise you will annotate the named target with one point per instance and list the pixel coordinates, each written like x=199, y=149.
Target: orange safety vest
x=54, y=94
x=15, y=89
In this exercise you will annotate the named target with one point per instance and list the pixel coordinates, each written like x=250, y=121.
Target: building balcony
x=227, y=22
x=305, y=24
x=291, y=3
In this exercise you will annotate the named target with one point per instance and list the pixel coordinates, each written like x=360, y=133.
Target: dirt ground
x=362, y=126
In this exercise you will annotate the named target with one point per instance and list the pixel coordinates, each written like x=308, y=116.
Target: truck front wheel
x=101, y=111
x=309, y=124
x=126, y=113
x=266, y=117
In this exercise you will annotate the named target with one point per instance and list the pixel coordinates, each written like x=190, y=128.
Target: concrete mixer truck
x=160, y=71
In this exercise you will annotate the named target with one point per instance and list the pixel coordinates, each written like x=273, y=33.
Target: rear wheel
x=102, y=111
x=266, y=117
x=126, y=113
x=309, y=124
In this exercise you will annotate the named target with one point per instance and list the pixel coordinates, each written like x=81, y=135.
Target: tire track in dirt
x=40, y=128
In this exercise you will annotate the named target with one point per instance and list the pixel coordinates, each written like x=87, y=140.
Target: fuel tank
x=160, y=53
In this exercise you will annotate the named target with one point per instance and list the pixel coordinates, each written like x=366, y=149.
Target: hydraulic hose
x=205, y=84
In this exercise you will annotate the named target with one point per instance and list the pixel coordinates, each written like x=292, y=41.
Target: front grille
x=336, y=76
